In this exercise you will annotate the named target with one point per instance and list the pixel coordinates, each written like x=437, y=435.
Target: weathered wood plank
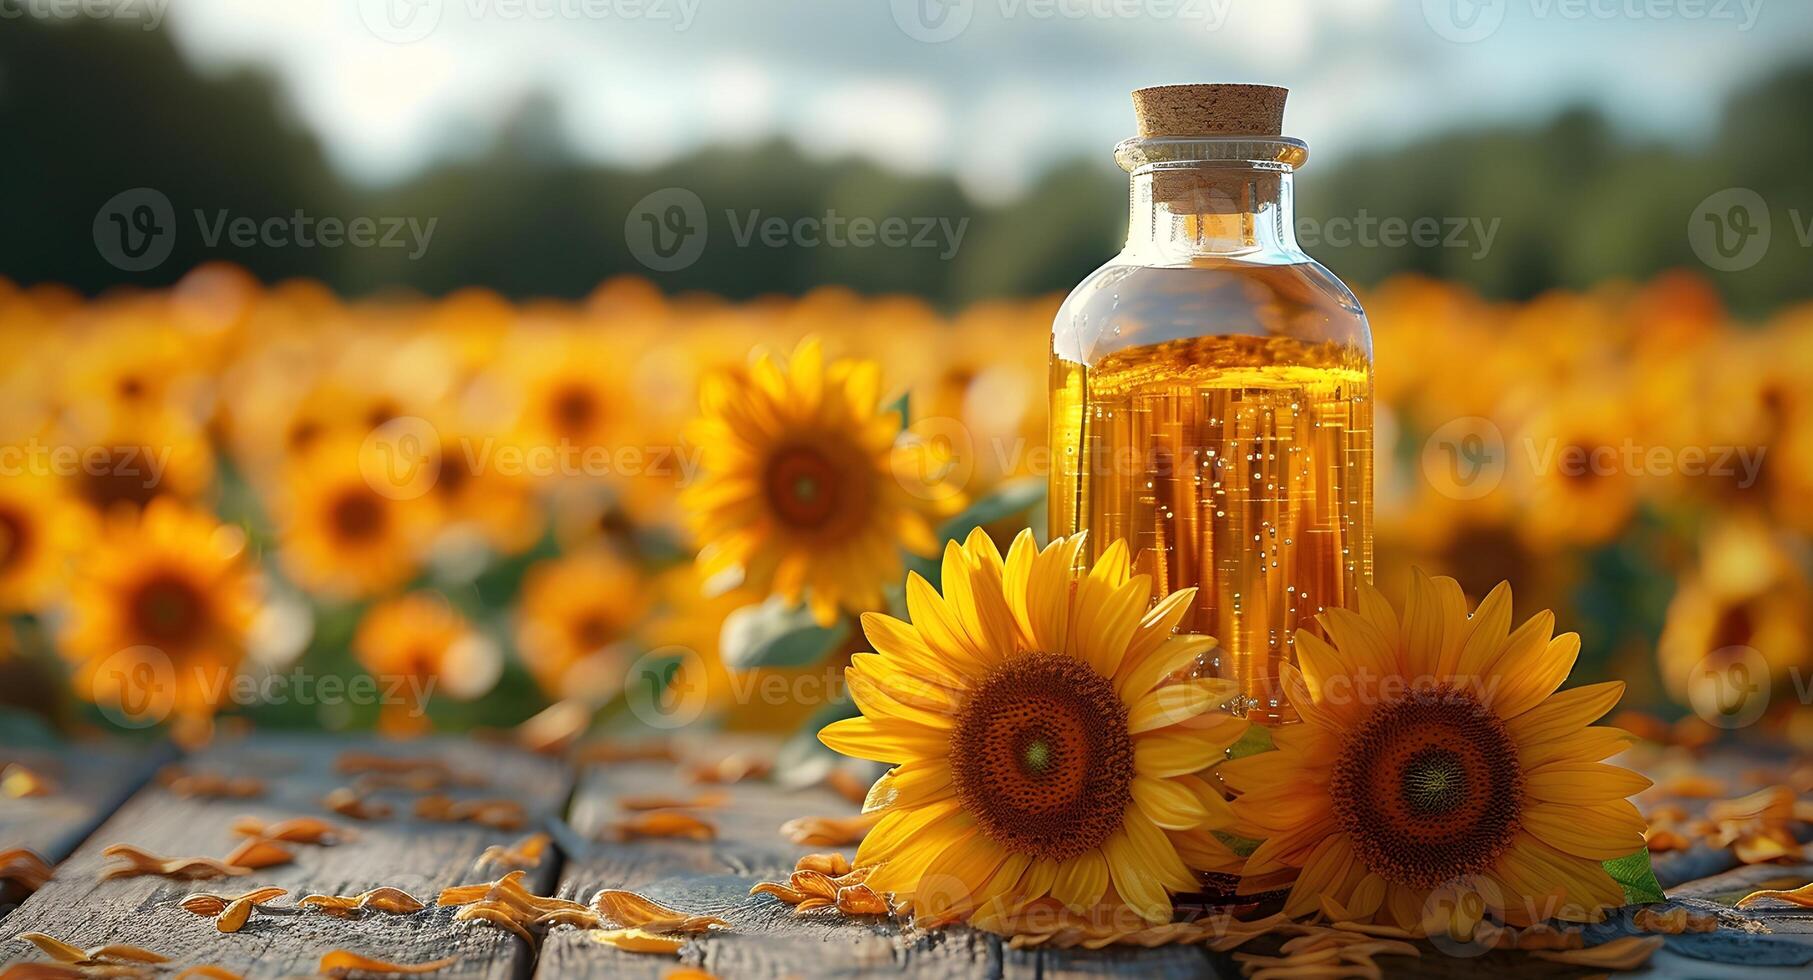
x=418, y=856
x=765, y=939
x=90, y=780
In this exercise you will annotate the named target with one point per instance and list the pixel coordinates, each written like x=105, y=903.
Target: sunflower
x=41, y=529
x=1581, y=486
x=1745, y=601
x=809, y=488
x=567, y=397
x=127, y=458
x=340, y=536
x=575, y=612
x=495, y=504
x=159, y=613
x=132, y=359
x=1047, y=738
x=417, y=645
x=1435, y=758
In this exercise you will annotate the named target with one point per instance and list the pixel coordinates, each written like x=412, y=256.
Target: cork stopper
x=1210, y=110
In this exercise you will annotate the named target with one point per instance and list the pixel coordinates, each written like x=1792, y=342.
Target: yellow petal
x=1484, y=634
x=1527, y=686
x=1081, y=880
x=911, y=785
x=1175, y=703
x=1377, y=610
x=1159, y=622
x=1596, y=831
x=938, y=625
x=1175, y=753
x=1566, y=713
x=1582, y=782
x=879, y=704
x=1168, y=804
x=1327, y=866
x=1176, y=653
x=891, y=741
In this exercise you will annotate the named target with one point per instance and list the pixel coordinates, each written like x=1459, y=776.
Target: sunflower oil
x=1211, y=405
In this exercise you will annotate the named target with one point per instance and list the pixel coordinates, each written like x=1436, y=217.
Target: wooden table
x=578, y=805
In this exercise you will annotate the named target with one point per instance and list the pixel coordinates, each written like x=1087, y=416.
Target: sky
x=992, y=91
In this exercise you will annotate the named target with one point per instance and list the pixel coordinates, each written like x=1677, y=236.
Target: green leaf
x=1241, y=846
x=1015, y=496
x=774, y=634
x=1258, y=738
x=1633, y=872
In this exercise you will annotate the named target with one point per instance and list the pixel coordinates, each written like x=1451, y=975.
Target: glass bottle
x=1211, y=390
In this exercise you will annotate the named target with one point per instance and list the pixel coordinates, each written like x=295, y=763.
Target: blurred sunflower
x=1435, y=754
x=1747, y=597
x=567, y=396
x=418, y=645
x=159, y=613
x=809, y=488
x=41, y=529
x=575, y=611
x=134, y=360
x=1582, y=482
x=127, y=458
x=501, y=507
x=339, y=535
x=1044, y=744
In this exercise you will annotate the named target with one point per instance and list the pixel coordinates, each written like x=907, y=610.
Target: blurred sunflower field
x=228, y=500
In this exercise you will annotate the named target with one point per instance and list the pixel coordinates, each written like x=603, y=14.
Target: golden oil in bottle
x=1211, y=390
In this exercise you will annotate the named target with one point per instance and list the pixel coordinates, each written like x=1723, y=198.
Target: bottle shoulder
x=1126, y=304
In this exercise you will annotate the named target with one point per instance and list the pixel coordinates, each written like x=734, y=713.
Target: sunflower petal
x=1168, y=803
x=1595, y=831
x=1081, y=880
x=1565, y=713
x=1176, y=703
x=891, y=741
x=1582, y=782
x=1528, y=684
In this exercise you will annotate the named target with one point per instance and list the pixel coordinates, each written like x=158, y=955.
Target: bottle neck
x=1183, y=212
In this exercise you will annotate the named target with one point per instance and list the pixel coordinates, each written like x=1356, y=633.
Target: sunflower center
x=1434, y=782
x=592, y=631
x=119, y=475
x=453, y=475
x=1736, y=627
x=1585, y=471
x=356, y=516
x=1041, y=756
x=574, y=410
x=1429, y=788
x=169, y=610
x=15, y=539
x=802, y=487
